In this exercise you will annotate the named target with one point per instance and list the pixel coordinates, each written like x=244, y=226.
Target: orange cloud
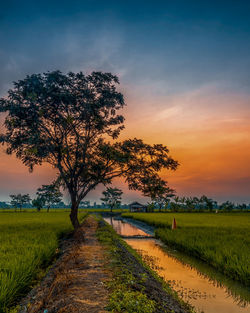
x=206, y=130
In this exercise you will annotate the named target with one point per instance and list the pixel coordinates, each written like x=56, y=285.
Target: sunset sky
x=184, y=68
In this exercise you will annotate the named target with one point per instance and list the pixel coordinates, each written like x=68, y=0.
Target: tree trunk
x=73, y=215
x=48, y=207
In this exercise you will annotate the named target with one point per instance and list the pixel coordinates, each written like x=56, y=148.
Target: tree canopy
x=49, y=194
x=157, y=190
x=17, y=201
x=112, y=197
x=71, y=121
x=38, y=203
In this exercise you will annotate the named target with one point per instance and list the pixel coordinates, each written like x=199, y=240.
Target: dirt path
x=77, y=281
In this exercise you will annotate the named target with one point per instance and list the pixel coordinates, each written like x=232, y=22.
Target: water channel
x=194, y=281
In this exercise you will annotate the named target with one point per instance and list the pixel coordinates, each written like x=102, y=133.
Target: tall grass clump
x=221, y=240
x=28, y=243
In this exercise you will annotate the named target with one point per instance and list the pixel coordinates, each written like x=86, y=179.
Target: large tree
x=71, y=121
x=112, y=197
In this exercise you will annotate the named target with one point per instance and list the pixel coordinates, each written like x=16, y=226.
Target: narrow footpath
x=76, y=283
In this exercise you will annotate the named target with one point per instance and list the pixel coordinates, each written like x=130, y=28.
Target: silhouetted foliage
x=38, y=203
x=68, y=121
x=112, y=197
x=157, y=190
x=49, y=194
x=85, y=204
x=227, y=206
x=163, y=198
x=17, y=201
x=4, y=205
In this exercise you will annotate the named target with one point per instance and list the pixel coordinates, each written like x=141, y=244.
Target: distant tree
x=242, y=207
x=175, y=205
x=210, y=204
x=85, y=204
x=17, y=201
x=163, y=198
x=197, y=203
x=49, y=195
x=227, y=206
x=182, y=202
x=60, y=205
x=151, y=206
x=190, y=203
x=68, y=122
x=4, y=205
x=38, y=203
x=112, y=197
x=157, y=190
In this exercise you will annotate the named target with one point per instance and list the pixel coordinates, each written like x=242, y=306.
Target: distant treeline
x=193, y=204
x=62, y=205
x=173, y=204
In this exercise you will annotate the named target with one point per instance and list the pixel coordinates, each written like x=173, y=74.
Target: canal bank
x=194, y=282
x=98, y=272
x=135, y=287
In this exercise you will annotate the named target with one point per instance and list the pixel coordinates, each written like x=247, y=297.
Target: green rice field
x=28, y=243
x=221, y=240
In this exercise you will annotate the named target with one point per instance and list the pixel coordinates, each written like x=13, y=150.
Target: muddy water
x=201, y=286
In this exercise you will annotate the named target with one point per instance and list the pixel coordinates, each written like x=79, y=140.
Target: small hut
x=137, y=207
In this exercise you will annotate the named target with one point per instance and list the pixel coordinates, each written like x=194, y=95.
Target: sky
x=184, y=72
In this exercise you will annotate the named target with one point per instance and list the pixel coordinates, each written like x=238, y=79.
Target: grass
x=221, y=240
x=91, y=210
x=122, y=296
x=28, y=243
x=128, y=287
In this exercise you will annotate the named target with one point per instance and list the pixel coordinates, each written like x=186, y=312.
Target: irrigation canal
x=194, y=281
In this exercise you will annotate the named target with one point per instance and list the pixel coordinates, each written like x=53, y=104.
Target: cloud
x=168, y=113
x=221, y=189
x=186, y=84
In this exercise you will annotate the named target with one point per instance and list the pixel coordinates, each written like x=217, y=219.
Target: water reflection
x=190, y=285
x=204, y=292
x=125, y=229
x=239, y=292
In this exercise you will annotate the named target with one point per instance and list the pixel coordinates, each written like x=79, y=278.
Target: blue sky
x=185, y=43
x=183, y=67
